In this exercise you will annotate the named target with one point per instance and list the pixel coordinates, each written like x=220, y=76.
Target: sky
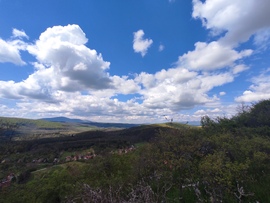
x=133, y=61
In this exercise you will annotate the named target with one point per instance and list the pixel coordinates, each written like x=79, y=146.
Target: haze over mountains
x=65, y=119
x=97, y=124
x=101, y=124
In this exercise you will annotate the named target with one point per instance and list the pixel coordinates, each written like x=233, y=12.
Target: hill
x=224, y=160
x=20, y=128
x=90, y=123
x=64, y=119
x=52, y=127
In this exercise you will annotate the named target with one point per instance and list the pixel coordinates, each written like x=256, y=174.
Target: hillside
x=55, y=127
x=224, y=160
x=91, y=123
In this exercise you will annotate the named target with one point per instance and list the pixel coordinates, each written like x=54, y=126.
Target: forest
x=223, y=160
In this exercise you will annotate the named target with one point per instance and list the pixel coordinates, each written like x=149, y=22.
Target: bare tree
x=241, y=193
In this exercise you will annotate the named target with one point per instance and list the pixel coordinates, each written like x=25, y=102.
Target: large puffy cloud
x=178, y=88
x=163, y=93
x=124, y=85
x=74, y=66
x=70, y=79
x=233, y=22
x=63, y=63
x=36, y=86
x=75, y=104
x=141, y=45
x=211, y=56
x=239, y=19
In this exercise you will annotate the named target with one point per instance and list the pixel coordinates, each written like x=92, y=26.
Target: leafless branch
x=241, y=193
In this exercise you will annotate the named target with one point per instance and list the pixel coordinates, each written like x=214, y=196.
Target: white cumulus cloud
x=238, y=19
x=73, y=80
x=73, y=65
x=141, y=45
x=179, y=88
x=63, y=63
x=211, y=56
x=259, y=90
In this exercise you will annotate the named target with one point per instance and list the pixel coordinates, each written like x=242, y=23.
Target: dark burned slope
x=132, y=135
x=100, y=140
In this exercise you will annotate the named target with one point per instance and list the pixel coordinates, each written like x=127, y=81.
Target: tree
x=206, y=121
x=260, y=114
x=8, y=129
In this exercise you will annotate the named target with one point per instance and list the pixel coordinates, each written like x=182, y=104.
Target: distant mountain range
x=194, y=123
x=64, y=120
x=86, y=122
x=103, y=125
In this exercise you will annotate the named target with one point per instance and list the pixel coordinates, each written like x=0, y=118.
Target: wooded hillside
x=225, y=160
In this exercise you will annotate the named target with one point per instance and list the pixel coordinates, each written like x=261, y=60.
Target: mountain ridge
x=88, y=122
x=65, y=119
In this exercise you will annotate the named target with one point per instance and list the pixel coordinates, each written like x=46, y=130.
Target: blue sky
x=133, y=61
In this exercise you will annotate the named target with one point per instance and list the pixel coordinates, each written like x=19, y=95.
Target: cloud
x=87, y=106
x=63, y=63
x=36, y=86
x=19, y=34
x=10, y=51
x=239, y=68
x=262, y=38
x=124, y=85
x=72, y=65
x=222, y=93
x=237, y=20
x=141, y=45
x=71, y=79
x=163, y=93
x=207, y=111
x=259, y=90
x=161, y=47
x=179, y=88
x=211, y=56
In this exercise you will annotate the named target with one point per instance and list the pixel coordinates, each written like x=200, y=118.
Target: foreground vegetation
x=226, y=160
